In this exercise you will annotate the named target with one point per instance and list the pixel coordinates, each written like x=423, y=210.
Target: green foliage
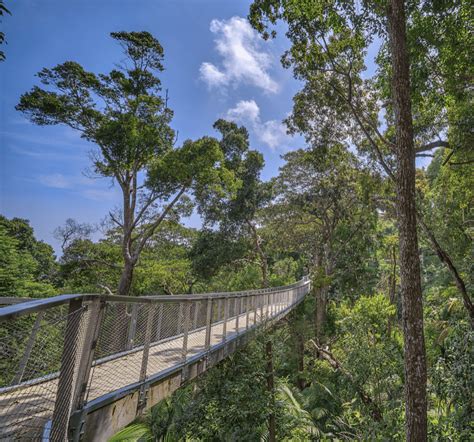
x=27, y=266
x=296, y=422
x=230, y=402
x=370, y=351
x=452, y=381
x=324, y=210
x=134, y=432
x=213, y=250
x=88, y=267
x=448, y=197
x=371, y=345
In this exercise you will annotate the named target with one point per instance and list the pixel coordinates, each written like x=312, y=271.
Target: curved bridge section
x=81, y=367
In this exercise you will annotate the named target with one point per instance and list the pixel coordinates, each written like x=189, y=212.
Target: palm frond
x=135, y=432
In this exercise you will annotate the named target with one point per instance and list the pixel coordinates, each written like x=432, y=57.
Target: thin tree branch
x=432, y=145
x=325, y=354
x=151, y=229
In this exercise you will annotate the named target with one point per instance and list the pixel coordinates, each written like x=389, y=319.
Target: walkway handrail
x=35, y=305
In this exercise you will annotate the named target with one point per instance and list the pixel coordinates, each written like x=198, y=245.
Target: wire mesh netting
x=55, y=359
x=31, y=349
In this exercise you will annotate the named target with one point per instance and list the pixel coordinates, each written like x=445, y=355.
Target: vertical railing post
x=267, y=306
x=196, y=313
x=247, y=311
x=159, y=321
x=180, y=318
x=219, y=309
x=226, y=313
x=133, y=327
x=237, y=303
x=65, y=391
x=147, y=341
x=96, y=313
x=207, y=342
x=255, y=307
x=146, y=352
x=187, y=314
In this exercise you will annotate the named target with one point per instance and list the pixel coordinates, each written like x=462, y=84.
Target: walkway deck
x=19, y=416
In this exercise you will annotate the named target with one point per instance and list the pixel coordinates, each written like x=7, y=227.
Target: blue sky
x=216, y=66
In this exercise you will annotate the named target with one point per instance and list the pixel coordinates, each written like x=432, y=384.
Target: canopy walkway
x=81, y=367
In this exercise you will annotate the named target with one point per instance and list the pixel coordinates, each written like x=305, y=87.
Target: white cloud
x=110, y=194
x=80, y=185
x=271, y=132
x=242, y=59
x=212, y=75
x=55, y=180
x=244, y=112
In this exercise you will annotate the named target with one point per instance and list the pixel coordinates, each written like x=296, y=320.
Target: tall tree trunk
x=260, y=253
x=392, y=290
x=128, y=197
x=410, y=283
x=299, y=345
x=393, y=277
x=122, y=320
x=271, y=390
x=300, y=380
x=320, y=312
x=126, y=278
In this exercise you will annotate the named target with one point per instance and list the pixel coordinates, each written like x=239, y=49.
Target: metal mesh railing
x=60, y=353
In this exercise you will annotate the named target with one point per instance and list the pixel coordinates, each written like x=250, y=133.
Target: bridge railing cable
x=60, y=354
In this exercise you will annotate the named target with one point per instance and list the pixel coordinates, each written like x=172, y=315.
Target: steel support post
x=207, y=343
x=96, y=313
x=219, y=309
x=159, y=321
x=267, y=306
x=247, y=311
x=66, y=387
x=147, y=341
x=237, y=313
x=187, y=314
x=180, y=319
x=146, y=352
x=255, y=307
x=197, y=304
x=226, y=313
x=132, y=330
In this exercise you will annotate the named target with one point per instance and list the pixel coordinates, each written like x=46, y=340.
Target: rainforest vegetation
x=382, y=348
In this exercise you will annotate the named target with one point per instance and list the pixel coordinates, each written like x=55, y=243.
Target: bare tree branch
x=432, y=145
